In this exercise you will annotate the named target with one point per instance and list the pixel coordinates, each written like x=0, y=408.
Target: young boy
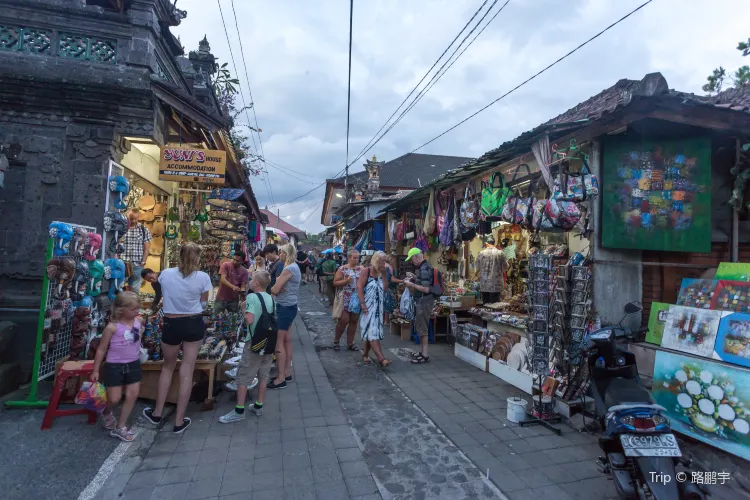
x=253, y=364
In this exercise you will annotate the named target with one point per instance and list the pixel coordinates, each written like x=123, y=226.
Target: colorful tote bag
x=575, y=186
x=494, y=196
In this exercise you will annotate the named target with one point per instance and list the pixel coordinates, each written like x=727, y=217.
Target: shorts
x=302, y=268
x=285, y=316
x=226, y=305
x=422, y=314
x=185, y=329
x=119, y=374
x=253, y=365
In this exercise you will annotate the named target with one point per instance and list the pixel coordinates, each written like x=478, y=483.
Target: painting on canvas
x=733, y=271
x=733, y=340
x=696, y=293
x=691, y=330
x=656, y=321
x=706, y=400
x=732, y=296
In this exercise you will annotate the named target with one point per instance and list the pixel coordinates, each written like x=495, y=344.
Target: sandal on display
x=419, y=359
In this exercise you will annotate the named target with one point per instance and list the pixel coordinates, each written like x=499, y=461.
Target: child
x=121, y=345
x=254, y=364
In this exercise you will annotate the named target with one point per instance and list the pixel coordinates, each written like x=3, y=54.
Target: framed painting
x=706, y=400
x=657, y=318
x=696, y=293
x=657, y=194
x=691, y=330
x=733, y=339
x=733, y=271
x=732, y=296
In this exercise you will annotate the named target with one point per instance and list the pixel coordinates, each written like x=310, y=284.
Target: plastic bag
x=93, y=396
x=407, y=305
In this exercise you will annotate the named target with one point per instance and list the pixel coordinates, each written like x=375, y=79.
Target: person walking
x=286, y=292
x=371, y=293
x=391, y=288
x=328, y=270
x=303, y=261
x=423, y=289
x=186, y=290
x=234, y=278
x=346, y=278
x=137, y=244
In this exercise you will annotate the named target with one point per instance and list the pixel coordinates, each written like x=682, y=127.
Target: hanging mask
x=79, y=241
x=61, y=233
x=85, y=301
x=81, y=275
x=171, y=232
x=96, y=273
x=93, y=244
x=195, y=232
x=120, y=187
x=114, y=270
x=81, y=320
x=60, y=273
x=116, y=223
x=174, y=214
x=114, y=247
x=202, y=215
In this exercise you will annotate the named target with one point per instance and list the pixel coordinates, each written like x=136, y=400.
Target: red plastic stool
x=68, y=369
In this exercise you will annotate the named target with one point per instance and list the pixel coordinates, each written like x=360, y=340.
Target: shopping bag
x=494, y=196
x=577, y=186
x=562, y=214
x=518, y=207
x=407, y=305
x=338, y=304
x=469, y=211
x=93, y=396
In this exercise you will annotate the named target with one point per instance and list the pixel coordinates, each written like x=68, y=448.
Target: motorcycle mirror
x=633, y=307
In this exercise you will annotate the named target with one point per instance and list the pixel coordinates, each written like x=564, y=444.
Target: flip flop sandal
x=109, y=422
x=123, y=433
x=352, y=348
x=366, y=360
x=336, y=347
x=385, y=363
x=419, y=359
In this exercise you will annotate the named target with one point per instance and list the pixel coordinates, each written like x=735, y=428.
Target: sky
x=296, y=55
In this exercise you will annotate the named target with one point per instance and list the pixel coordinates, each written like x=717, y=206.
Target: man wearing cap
x=423, y=290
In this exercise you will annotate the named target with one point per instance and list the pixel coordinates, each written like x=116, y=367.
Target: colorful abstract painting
x=732, y=296
x=696, y=293
x=691, y=330
x=657, y=318
x=733, y=340
x=733, y=271
x=706, y=400
x=657, y=195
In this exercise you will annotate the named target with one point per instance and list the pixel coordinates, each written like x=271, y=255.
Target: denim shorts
x=285, y=316
x=183, y=329
x=119, y=374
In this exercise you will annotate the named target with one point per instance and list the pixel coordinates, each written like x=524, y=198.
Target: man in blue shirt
x=275, y=266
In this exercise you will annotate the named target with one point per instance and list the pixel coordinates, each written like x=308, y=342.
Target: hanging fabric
x=543, y=156
x=446, y=235
x=429, y=217
x=439, y=215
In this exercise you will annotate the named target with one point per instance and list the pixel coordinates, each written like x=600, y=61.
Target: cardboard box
x=468, y=301
x=406, y=331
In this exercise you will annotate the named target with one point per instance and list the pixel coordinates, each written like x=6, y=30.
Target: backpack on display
x=266, y=330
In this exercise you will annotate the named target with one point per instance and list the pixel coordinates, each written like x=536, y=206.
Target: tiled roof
x=411, y=170
x=737, y=99
x=274, y=221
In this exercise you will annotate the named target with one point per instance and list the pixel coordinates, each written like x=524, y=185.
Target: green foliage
x=744, y=47
x=715, y=81
x=739, y=77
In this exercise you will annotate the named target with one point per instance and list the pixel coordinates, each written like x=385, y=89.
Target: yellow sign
x=192, y=165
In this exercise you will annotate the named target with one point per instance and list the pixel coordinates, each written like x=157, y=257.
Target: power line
x=442, y=70
x=349, y=90
x=287, y=169
x=312, y=212
x=308, y=192
x=364, y=150
x=536, y=74
x=250, y=91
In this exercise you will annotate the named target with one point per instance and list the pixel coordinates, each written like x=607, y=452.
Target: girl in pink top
x=120, y=344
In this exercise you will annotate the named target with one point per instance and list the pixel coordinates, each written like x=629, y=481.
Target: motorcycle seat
x=622, y=391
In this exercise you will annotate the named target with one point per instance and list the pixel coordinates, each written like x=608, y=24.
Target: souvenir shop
x=512, y=242
x=184, y=200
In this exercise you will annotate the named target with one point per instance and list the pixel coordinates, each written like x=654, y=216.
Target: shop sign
x=192, y=165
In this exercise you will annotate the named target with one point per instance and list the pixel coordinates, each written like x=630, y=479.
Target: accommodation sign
x=192, y=165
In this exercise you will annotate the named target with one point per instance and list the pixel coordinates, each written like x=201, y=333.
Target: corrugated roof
x=274, y=221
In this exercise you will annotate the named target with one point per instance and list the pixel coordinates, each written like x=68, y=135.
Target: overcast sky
x=297, y=52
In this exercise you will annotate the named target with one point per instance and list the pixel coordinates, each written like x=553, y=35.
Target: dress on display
x=371, y=323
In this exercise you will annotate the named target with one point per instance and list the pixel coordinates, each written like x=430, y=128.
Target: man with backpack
x=260, y=342
x=427, y=285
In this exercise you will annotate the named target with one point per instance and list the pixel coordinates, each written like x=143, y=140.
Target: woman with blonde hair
x=185, y=290
x=371, y=293
x=285, y=290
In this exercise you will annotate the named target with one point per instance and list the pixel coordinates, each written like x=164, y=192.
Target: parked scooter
x=640, y=450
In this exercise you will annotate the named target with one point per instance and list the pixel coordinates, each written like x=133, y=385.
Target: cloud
x=297, y=59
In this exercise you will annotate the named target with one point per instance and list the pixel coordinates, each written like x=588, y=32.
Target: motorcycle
x=641, y=452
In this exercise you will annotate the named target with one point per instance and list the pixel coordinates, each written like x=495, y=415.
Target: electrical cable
x=535, y=75
x=349, y=89
x=312, y=212
x=308, y=192
x=361, y=153
x=287, y=169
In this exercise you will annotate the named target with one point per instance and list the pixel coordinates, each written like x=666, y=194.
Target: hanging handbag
x=469, y=211
x=439, y=216
x=577, y=186
x=494, y=196
x=563, y=214
x=429, y=217
x=517, y=207
x=540, y=221
x=447, y=234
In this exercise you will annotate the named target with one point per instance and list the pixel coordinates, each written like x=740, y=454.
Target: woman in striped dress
x=371, y=292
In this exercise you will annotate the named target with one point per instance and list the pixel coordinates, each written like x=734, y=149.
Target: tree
x=739, y=77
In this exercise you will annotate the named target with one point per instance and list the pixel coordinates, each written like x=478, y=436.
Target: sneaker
x=232, y=417
x=179, y=429
x=231, y=386
x=231, y=373
x=148, y=414
x=233, y=361
x=253, y=385
x=258, y=411
x=123, y=434
x=272, y=385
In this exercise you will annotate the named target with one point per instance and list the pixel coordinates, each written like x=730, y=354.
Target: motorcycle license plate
x=655, y=445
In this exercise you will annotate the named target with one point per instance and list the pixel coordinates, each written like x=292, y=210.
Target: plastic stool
x=430, y=334
x=69, y=369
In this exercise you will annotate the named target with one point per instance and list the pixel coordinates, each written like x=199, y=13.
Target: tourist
x=152, y=277
x=390, y=292
x=186, y=290
x=253, y=364
x=303, y=261
x=137, y=242
x=328, y=269
x=311, y=266
x=285, y=290
x=346, y=277
x=120, y=344
x=371, y=292
x=424, y=300
x=274, y=265
x=234, y=278
x=259, y=263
